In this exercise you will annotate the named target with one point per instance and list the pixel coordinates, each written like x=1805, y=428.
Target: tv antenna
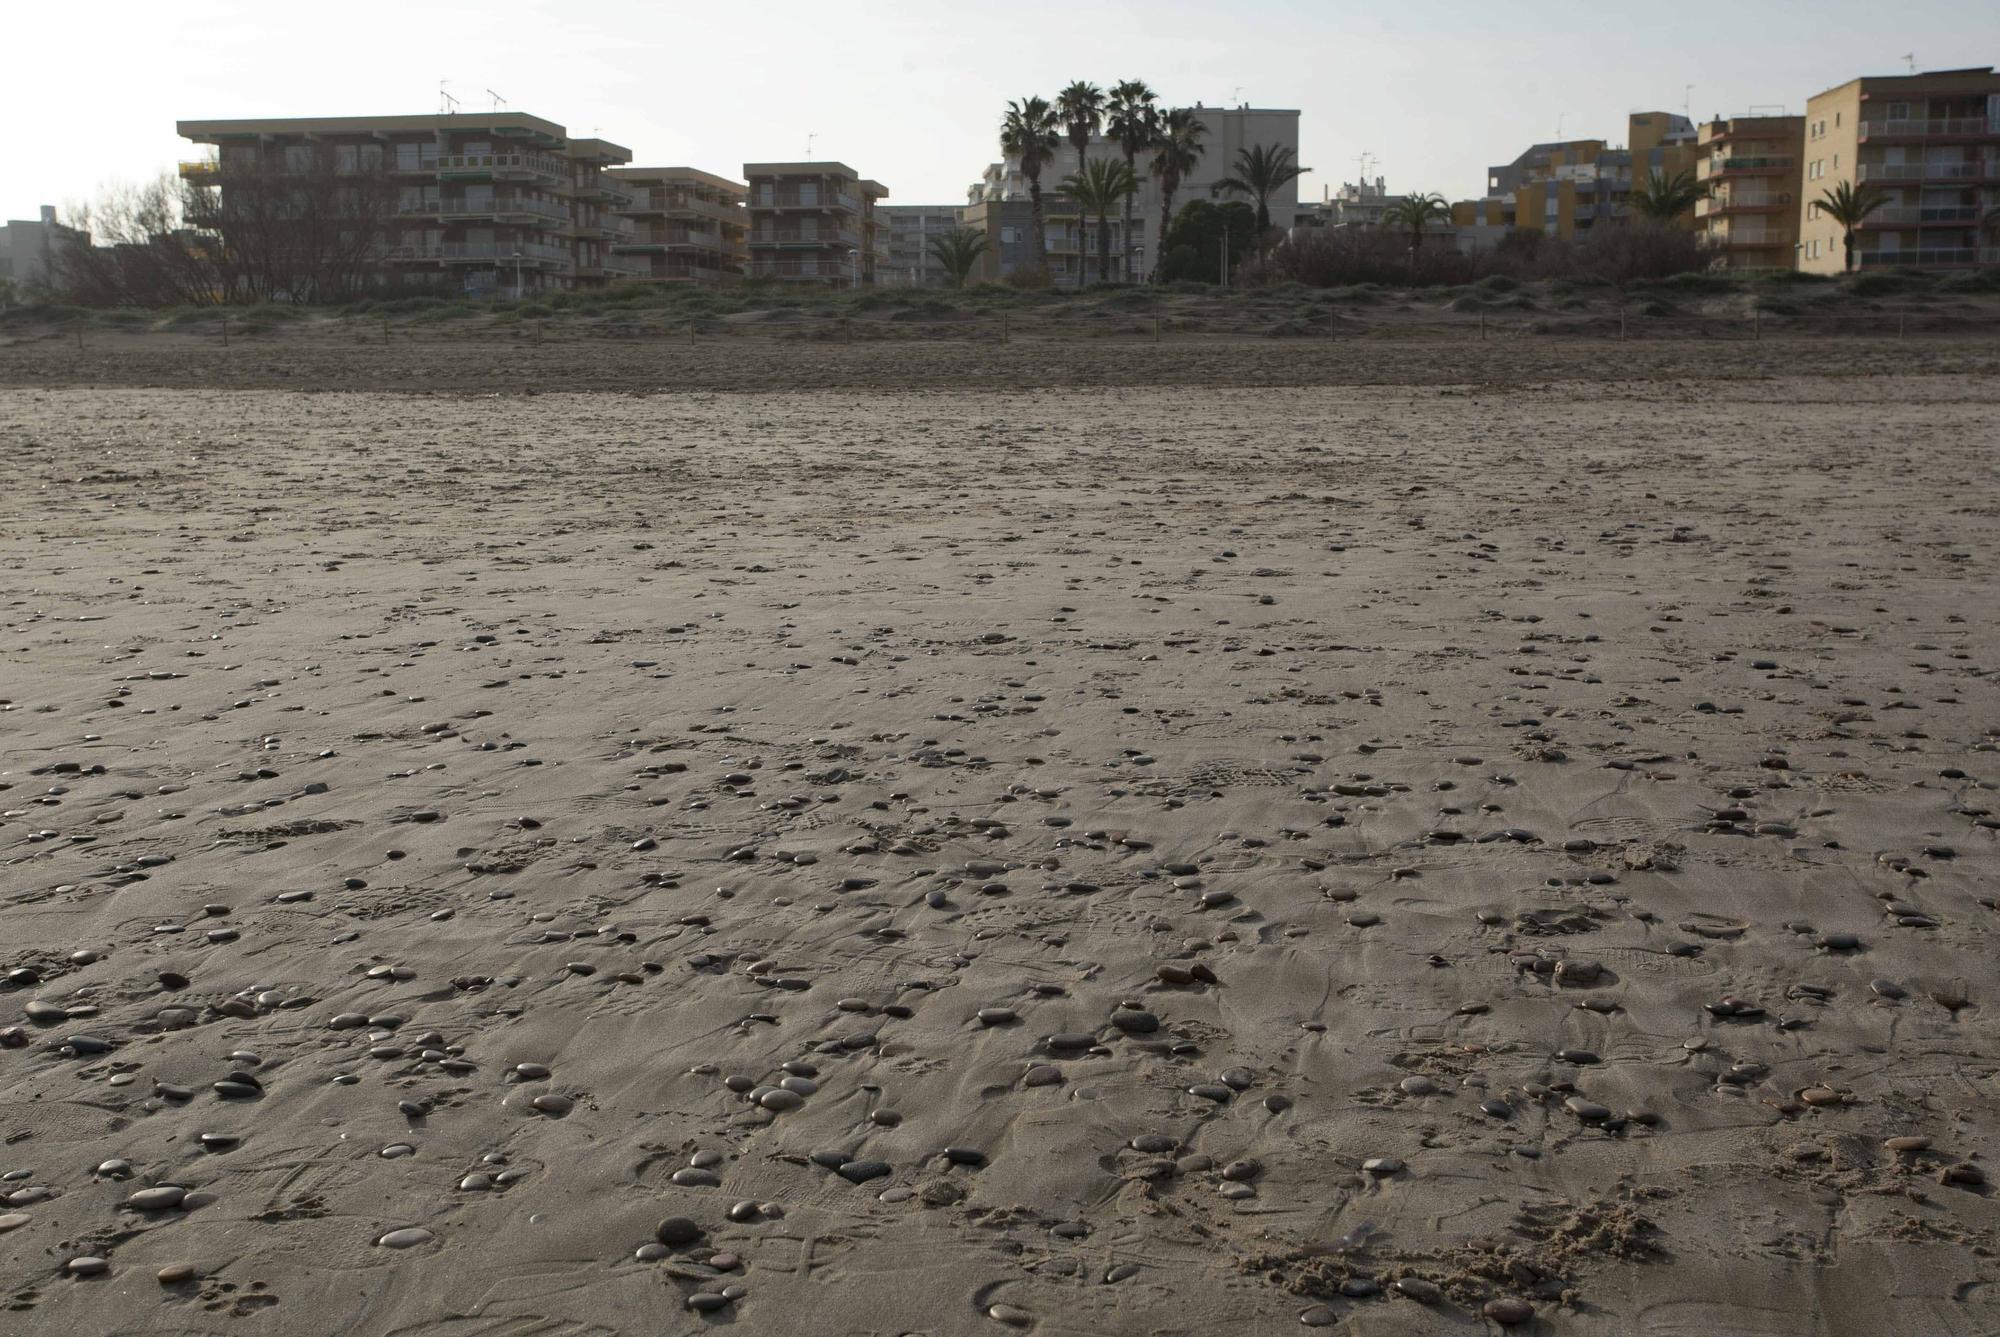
x=1687, y=101
x=1910, y=60
x=1560, y=118
x=1236, y=95
x=809, y=145
x=499, y=102
x=447, y=104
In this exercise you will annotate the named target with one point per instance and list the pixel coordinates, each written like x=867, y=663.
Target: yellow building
x=1752, y=168
x=1567, y=187
x=1929, y=144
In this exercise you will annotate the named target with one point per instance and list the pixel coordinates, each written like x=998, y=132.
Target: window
x=1008, y=236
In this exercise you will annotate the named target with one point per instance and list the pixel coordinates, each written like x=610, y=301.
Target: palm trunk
x=1131, y=165
x=1847, y=252
x=1103, y=247
x=1160, y=242
x=1038, y=234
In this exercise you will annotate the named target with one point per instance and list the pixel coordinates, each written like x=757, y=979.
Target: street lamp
x=517, y=276
x=854, y=263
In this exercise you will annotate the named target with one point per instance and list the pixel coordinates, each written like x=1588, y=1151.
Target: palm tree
x=1260, y=173
x=1028, y=133
x=1176, y=152
x=1665, y=198
x=1080, y=108
x=1098, y=189
x=1414, y=213
x=1131, y=120
x=1848, y=206
x=958, y=251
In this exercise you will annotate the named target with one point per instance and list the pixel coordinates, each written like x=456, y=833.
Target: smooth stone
x=1008, y=1314
x=860, y=1172
x=677, y=1231
x=87, y=1266
x=156, y=1199
x=13, y=1221
x=1319, y=1316
x=1508, y=1310
x=553, y=1104
x=1416, y=1288
x=173, y=1274
x=407, y=1238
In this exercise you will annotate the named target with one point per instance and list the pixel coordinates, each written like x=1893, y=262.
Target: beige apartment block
x=814, y=222
x=499, y=202
x=689, y=226
x=1929, y=144
x=1752, y=166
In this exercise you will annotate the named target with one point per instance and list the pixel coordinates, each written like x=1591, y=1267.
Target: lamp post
x=517, y=276
x=854, y=262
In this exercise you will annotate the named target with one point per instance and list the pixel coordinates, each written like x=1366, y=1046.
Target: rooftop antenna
x=498, y=101
x=1236, y=95
x=1687, y=99
x=1910, y=60
x=1560, y=116
x=809, y=145
x=447, y=104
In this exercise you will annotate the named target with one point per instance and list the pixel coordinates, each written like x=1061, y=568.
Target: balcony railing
x=670, y=203
x=1943, y=215
x=673, y=236
x=1948, y=125
x=676, y=270
x=505, y=252
x=1748, y=164
x=624, y=267
x=200, y=169
x=826, y=236
x=504, y=164
x=497, y=207
x=1927, y=171
x=1929, y=255
x=793, y=199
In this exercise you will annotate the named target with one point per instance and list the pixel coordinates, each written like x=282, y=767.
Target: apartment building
x=1753, y=169
x=1930, y=145
x=910, y=228
x=814, y=222
x=1071, y=255
x=30, y=247
x=1566, y=187
x=686, y=226
x=477, y=202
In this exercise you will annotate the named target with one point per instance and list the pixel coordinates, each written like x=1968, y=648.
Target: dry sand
x=1368, y=855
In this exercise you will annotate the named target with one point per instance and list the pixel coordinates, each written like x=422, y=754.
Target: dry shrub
x=1626, y=251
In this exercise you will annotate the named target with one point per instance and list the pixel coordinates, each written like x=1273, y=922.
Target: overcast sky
x=910, y=93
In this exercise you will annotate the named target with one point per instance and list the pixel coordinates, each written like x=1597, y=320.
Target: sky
x=910, y=93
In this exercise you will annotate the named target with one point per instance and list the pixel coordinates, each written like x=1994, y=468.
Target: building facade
x=1071, y=257
x=909, y=229
x=687, y=226
x=814, y=222
x=30, y=249
x=1928, y=144
x=480, y=202
x=1751, y=167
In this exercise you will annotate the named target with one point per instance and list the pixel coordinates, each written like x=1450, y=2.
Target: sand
x=1372, y=855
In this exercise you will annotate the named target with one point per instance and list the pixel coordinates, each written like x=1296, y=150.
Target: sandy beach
x=895, y=840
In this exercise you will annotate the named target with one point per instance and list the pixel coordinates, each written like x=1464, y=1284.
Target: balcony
x=1957, y=257
x=509, y=166
x=687, y=206
x=678, y=270
x=1940, y=215
x=1929, y=171
x=606, y=191
x=803, y=239
x=414, y=251
x=794, y=199
x=662, y=238
x=503, y=252
x=612, y=228
x=1747, y=204
x=499, y=207
x=624, y=268
x=1966, y=127
x=1747, y=166
x=201, y=170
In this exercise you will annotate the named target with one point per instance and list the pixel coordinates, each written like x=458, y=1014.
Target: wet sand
x=899, y=857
